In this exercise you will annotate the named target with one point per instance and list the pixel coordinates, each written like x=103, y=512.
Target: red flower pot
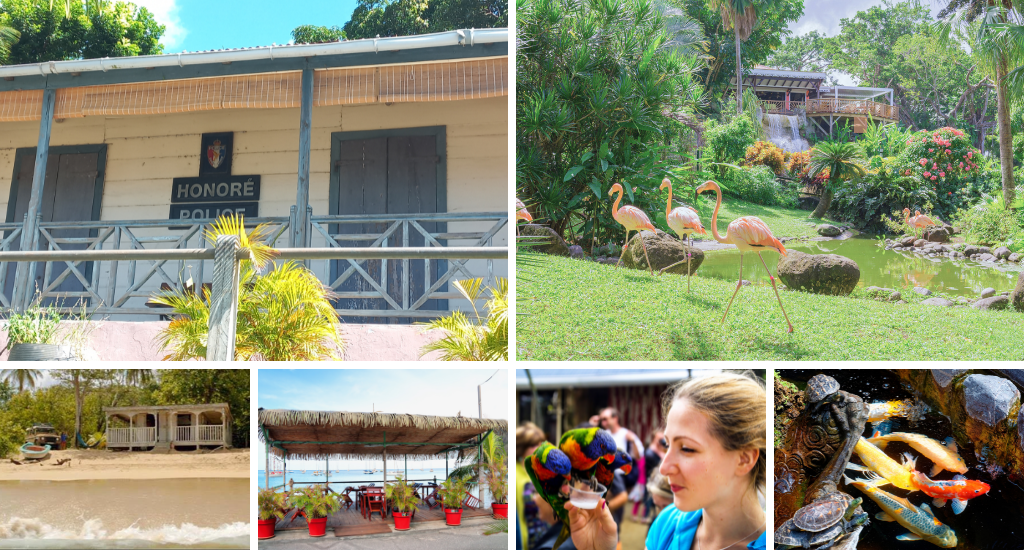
x=266, y=528
x=317, y=527
x=402, y=521
x=453, y=517
x=499, y=511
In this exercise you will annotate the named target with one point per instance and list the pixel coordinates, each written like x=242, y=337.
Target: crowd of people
x=698, y=481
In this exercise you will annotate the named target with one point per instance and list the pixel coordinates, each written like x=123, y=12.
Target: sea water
x=344, y=478
x=162, y=513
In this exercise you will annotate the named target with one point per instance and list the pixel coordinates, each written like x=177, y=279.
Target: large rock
x=937, y=235
x=942, y=302
x=908, y=240
x=576, y=252
x=1017, y=296
x=828, y=230
x=944, y=376
x=1002, y=253
x=989, y=398
x=552, y=242
x=830, y=274
x=664, y=250
x=995, y=302
x=1015, y=258
x=922, y=291
x=988, y=292
x=971, y=250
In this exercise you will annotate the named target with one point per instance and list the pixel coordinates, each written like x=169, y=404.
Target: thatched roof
x=354, y=435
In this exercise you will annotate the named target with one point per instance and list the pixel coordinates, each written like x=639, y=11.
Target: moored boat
x=35, y=452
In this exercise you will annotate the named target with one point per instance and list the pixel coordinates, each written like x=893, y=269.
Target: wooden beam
x=128, y=76
x=223, y=321
x=300, y=231
x=30, y=232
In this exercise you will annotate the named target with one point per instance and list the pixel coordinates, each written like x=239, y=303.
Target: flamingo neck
x=668, y=206
x=906, y=218
x=714, y=219
x=615, y=205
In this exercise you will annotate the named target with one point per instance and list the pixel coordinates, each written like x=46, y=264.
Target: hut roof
x=328, y=434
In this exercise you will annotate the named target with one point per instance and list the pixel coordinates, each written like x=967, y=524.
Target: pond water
x=878, y=267
x=990, y=522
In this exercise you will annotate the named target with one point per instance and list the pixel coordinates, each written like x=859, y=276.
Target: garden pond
x=878, y=267
x=990, y=522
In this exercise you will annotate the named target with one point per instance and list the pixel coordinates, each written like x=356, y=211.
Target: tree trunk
x=823, y=204
x=739, y=74
x=78, y=405
x=1005, y=136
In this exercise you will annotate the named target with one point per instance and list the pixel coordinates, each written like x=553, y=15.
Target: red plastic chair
x=470, y=501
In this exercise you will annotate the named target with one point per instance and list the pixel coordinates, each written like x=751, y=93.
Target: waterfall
x=788, y=141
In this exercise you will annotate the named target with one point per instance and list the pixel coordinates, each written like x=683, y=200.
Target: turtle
x=825, y=512
x=819, y=387
x=822, y=523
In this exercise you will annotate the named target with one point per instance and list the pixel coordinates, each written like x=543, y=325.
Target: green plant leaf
x=572, y=173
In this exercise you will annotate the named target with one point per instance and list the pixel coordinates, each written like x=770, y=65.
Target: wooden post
x=266, y=465
x=30, y=230
x=300, y=230
x=224, y=302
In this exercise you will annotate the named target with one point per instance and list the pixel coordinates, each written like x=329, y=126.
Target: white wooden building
x=392, y=142
x=168, y=427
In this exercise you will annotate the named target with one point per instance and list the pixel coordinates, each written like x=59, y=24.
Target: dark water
x=994, y=521
x=878, y=267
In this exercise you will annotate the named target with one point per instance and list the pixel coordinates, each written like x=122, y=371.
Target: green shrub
x=12, y=437
x=867, y=201
x=729, y=142
x=945, y=162
x=766, y=153
x=758, y=185
x=990, y=223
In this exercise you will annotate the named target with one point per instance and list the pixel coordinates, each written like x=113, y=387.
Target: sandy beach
x=103, y=464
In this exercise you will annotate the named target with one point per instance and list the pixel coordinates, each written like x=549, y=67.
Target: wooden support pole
x=223, y=322
x=300, y=230
x=30, y=230
x=266, y=465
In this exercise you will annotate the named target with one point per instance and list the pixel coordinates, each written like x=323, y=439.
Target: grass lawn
x=573, y=309
x=784, y=222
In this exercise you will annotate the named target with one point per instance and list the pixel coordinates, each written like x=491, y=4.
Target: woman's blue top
x=674, y=529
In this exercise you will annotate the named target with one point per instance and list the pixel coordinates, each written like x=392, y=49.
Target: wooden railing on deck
x=857, y=107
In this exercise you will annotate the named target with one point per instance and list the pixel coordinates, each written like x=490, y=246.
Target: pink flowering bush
x=945, y=161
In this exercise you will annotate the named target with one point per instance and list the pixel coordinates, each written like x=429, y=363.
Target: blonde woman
x=715, y=467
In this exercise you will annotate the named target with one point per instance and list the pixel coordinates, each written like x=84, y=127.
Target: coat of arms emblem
x=215, y=154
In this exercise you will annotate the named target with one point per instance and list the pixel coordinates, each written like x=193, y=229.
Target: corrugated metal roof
x=547, y=379
x=787, y=74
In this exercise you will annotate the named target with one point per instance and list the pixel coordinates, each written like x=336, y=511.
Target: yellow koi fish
x=921, y=522
x=885, y=410
x=944, y=456
x=900, y=475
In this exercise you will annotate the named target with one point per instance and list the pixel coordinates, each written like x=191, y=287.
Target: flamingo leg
x=772, y=279
x=651, y=267
x=623, y=250
x=739, y=283
x=688, y=272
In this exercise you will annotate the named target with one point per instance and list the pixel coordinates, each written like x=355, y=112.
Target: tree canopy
x=61, y=31
x=385, y=18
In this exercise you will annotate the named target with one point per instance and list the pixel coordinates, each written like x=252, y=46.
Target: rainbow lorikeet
x=585, y=447
x=549, y=469
x=605, y=473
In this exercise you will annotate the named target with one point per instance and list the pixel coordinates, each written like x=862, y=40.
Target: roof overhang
x=783, y=80
x=324, y=434
x=854, y=92
x=548, y=379
x=143, y=408
x=445, y=46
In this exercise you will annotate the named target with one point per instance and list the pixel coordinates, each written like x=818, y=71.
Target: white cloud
x=166, y=13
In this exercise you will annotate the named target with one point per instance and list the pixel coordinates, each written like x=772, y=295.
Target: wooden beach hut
x=395, y=438
x=168, y=427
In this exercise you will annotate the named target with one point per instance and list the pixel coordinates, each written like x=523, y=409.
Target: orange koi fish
x=944, y=456
x=959, y=490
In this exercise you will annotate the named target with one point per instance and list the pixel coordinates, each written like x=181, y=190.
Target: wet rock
x=895, y=297
x=988, y=292
x=937, y=302
x=664, y=250
x=944, y=376
x=919, y=243
x=878, y=292
x=984, y=250
x=908, y=241
x=576, y=251
x=989, y=398
x=607, y=260
x=1017, y=296
x=829, y=274
x=553, y=243
x=1002, y=253
x=971, y=250
x=828, y=230
x=744, y=282
x=1015, y=375
x=1014, y=258
x=986, y=257
x=902, y=302
x=995, y=302
x=937, y=235
x=922, y=291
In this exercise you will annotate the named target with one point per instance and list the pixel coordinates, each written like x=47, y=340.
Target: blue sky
x=444, y=392
x=196, y=25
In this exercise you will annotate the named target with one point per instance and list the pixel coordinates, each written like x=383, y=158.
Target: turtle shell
x=819, y=387
x=788, y=536
x=822, y=514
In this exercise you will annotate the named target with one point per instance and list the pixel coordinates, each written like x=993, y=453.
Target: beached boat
x=35, y=452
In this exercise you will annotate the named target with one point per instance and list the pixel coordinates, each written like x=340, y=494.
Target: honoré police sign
x=215, y=192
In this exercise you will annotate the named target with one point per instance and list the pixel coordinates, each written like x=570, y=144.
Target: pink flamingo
x=633, y=219
x=919, y=221
x=684, y=221
x=522, y=214
x=748, y=234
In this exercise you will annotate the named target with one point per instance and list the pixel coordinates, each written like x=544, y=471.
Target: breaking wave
x=34, y=533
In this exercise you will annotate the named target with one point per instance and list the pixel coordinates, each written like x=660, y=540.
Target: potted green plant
x=34, y=335
x=496, y=477
x=315, y=503
x=272, y=506
x=452, y=492
x=403, y=501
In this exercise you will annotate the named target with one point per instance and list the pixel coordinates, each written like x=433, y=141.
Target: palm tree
x=741, y=17
x=1001, y=43
x=8, y=37
x=483, y=339
x=843, y=160
x=284, y=311
x=137, y=377
x=22, y=377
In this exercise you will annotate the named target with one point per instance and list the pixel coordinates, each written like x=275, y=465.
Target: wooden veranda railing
x=200, y=434
x=140, y=436
x=852, y=107
x=121, y=282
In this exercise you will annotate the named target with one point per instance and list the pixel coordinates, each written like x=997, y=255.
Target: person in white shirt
x=610, y=421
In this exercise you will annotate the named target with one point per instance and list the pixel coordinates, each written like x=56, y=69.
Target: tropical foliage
x=453, y=491
x=284, y=311
x=401, y=495
x=842, y=160
x=272, y=504
x=408, y=17
x=313, y=34
x=478, y=338
x=314, y=501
